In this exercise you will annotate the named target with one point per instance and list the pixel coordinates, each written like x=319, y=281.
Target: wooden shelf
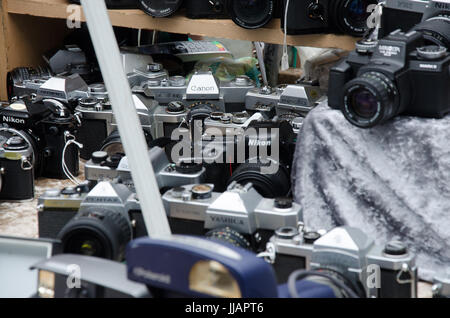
x=179, y=24
x=30, y=28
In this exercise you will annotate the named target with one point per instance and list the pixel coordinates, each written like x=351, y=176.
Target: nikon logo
x=203, y=88
x=442, y=5
x=259, y=143
x=10, y=119
x=226, y=220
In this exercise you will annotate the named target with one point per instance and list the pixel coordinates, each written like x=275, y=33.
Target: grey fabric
x=391, y=181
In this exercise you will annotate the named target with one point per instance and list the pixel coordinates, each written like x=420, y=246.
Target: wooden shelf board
x=58, y=9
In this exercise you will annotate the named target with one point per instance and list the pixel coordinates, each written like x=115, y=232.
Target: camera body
x=370, y=87
x=327, y=16
x=431, y=17
x=16, y=166
x=97, y=118
x=202, y=87
x=49, y=127
x=98, y=222
x=284, y=99
x=103, y=167
x=240, y=215
x=348, y=254
x=206, y=9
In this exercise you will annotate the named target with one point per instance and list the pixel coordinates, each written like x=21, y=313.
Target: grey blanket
x=391, y=181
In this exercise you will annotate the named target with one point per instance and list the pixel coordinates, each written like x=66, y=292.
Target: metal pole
x=130, y=130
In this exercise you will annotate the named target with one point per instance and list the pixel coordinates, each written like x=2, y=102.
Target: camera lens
x=98, y=232
x=160, y=8
x=370, y=100
x=436, y=30
x=351, y=16
x=113, y=144
x=230, y=236
x=251, y=14
x=268, y=185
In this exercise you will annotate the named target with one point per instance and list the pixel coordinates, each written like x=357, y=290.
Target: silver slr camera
x=297, y=99
x=348, y=255
x=99, y=128
x=102, y=167
x=202, y=87
x=98, y=222
x=240, y=215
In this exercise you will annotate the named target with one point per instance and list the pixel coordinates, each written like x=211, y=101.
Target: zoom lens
x=251, y=14
x=160, y=8
x=97, y=232
x=436, y=30
x=370, y=100
x=351, y=16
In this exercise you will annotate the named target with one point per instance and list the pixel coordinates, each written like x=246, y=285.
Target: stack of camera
x=316, y=16
x=222, y=154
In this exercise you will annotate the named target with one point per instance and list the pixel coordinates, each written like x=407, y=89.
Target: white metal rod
x=130, y=130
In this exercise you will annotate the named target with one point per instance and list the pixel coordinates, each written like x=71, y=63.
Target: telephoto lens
x=160, y=8
x=251, y=14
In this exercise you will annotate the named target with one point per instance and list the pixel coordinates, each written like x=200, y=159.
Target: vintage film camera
x=431, y=17
x=202, y=87
x=284, y=99
x=98, y=222
x=349, y=256
x=51, y=129
x=16, y=166
x=373, y=86
x=98, y=129
x=240, y=215
x=327, y=16
x=168, y=175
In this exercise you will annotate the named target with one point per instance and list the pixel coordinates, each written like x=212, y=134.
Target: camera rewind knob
x=99, y=156
x=395, y=248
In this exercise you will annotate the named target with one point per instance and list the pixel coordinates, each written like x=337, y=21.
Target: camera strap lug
x=405, y=269
x=25, y=164
x=269, y=254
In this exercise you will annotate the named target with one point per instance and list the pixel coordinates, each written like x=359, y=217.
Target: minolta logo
x=428, y=66
x=10, y=119
x=259, y=143
x=389, y=50
x=226, y=220
x=203, y=88
x=149, y=275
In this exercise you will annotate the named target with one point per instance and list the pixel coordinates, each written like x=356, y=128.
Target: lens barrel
x=160, y=8
x=351, y=16
x=370, y=99
x=251, y=14
x=98, y=232
x=436, y=30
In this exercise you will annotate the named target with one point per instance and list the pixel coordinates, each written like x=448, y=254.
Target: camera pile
x=222, y=153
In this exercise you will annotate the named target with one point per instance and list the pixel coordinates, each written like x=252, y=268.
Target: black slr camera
x=327, y=16
x=50, y=128
x=16, y=166
x=431, y=17
x=399, y=75
x=206, y=9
